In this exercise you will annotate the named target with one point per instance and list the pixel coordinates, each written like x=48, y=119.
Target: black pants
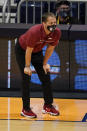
x=37, y=62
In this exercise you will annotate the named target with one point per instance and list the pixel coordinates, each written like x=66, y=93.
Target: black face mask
x=51, y=28
x=64, y=14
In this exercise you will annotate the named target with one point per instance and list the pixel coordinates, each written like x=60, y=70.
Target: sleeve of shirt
x=57, y=38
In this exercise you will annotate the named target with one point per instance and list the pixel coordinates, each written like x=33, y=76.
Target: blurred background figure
x=64, y=13
x=64, y=16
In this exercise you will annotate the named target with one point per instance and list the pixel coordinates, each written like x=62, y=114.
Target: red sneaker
x=50, y=109
x=28, y=113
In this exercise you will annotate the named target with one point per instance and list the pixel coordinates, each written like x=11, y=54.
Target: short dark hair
x=62, y=2
x=46, y=15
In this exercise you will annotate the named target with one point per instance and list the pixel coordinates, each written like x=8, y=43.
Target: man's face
x=63, y=12
x=50, y=25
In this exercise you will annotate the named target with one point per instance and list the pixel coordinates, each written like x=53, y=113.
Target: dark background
x=70, y=58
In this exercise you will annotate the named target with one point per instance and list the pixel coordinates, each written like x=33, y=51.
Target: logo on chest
x=48, y=40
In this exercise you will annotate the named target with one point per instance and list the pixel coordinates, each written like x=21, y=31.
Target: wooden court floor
x=73, y=115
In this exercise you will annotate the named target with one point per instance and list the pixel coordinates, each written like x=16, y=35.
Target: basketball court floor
x=72, y=117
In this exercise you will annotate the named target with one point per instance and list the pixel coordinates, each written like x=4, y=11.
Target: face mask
x=51, y=28
x=64, y=14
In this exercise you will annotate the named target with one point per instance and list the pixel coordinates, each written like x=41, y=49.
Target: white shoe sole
x=22, y=114
x=53, y=114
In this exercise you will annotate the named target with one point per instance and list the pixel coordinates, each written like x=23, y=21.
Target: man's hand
x=46, y=68
x=27, y=70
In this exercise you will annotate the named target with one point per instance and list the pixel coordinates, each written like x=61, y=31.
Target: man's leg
x=46, y=84
x=37, y=62
x=20, y=57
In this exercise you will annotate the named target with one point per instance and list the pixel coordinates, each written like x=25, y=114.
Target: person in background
x=28, y=51
x=63, y=13
x=68, y=62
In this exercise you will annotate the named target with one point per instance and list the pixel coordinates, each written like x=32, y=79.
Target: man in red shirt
x=29, y=50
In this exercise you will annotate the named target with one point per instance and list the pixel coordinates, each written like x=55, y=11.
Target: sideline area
x=73, y=110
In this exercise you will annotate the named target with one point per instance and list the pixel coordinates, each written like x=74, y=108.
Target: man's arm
x=48, y=53
x=28, y=53
x=28, y=56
